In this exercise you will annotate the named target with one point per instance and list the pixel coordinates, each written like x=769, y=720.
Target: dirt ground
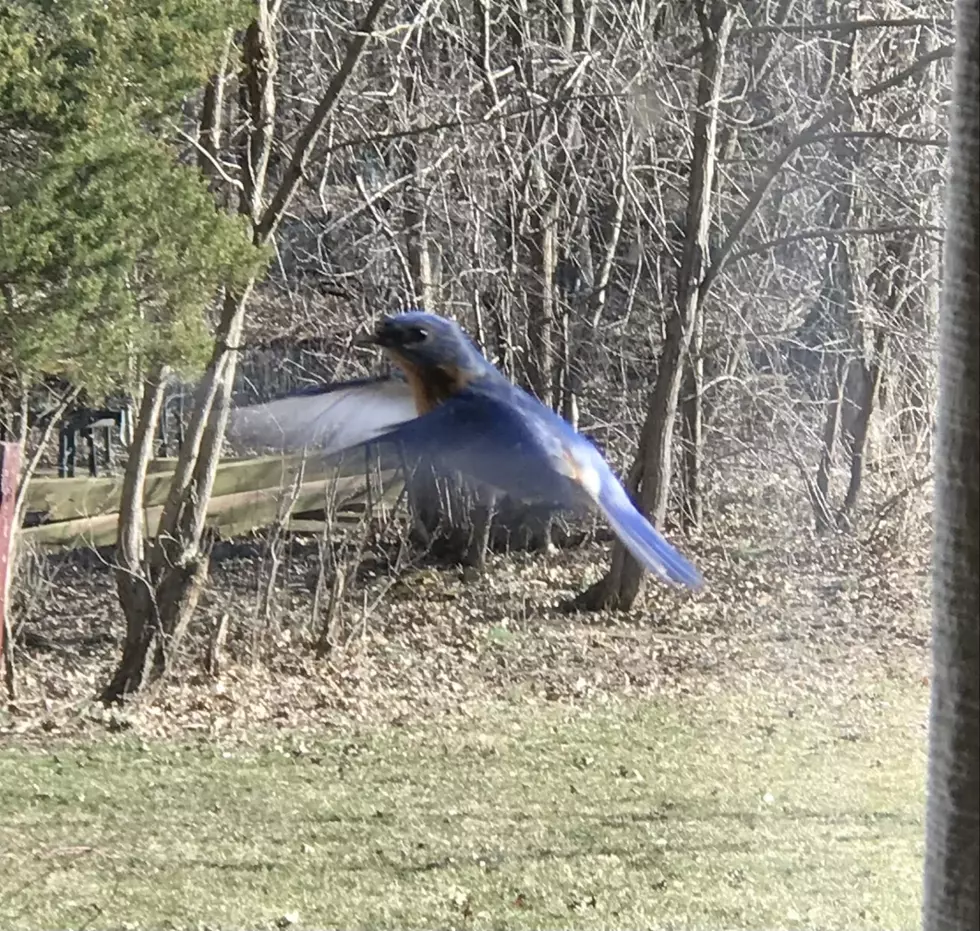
x=817, y=612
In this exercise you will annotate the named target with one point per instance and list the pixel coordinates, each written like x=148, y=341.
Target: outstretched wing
x=327, y=419
x=487, y=438
x=493, y=433
x=508, y=440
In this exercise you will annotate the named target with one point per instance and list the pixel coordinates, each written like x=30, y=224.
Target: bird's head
x=427, y=342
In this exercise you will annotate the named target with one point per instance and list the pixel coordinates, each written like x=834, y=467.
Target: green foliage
x=110, y=250
x=66, y=64
x=115, y=250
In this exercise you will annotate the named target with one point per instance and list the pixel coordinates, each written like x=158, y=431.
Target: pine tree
x=111, y=250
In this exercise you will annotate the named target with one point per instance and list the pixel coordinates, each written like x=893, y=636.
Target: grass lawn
x=761, y=809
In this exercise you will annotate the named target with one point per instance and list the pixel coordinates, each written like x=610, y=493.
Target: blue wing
x=641, y=538
x=504, y=438
x=327, y=419
x=485, y=438
x=491, y=432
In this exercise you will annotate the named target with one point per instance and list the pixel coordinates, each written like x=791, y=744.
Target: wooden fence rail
x=248, y=494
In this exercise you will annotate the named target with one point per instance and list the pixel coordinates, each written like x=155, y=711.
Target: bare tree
x=650, y=476
x=174, y=571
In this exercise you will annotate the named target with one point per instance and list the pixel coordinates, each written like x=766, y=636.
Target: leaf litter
x=821, y=613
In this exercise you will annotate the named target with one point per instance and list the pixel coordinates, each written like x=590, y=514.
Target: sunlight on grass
x=756, y=810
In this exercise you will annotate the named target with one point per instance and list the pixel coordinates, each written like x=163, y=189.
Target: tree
x=110, y=253
x=159, y=588
x=650, y=477
x=111, y=250
x=952, y=886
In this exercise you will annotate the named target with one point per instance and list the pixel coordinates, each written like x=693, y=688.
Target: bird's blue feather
x=504, y=438
x=643, y=540
x=483, y=432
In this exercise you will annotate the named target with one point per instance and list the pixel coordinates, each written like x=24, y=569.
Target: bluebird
x=447, y=403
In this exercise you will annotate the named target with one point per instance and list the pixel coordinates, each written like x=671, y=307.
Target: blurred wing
x=489, y=439
x=511, y=442
x=642, y=539
x=326, y=419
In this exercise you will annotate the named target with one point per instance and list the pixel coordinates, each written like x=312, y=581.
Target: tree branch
x=842, y=233
x=940, y=142
x=487, y=119
x=805, y=138
x=847, y=26
x=297, y=164
x=380, y=193
x=844, y=26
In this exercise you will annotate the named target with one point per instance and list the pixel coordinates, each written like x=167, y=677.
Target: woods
x=715, y=237
x=725, y=217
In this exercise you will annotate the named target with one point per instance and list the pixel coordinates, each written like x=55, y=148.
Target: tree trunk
x=692, y=422
x=952, y=882
x=134, y=585
x=481, y=522
x=212, y=114
x=565, y=383
x=417, y=247
x=549, y=143
x=540, y=243
x=650, y=476
x=600, y=286
x=919, y=266
x=820, y=489
x=835, y=310
x=871, y=374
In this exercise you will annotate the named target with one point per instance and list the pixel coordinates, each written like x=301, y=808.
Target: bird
x=445, y=402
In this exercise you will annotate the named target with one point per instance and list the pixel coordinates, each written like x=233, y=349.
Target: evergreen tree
x=111, y=251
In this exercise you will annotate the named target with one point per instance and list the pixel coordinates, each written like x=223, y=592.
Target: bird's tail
x=643, y=540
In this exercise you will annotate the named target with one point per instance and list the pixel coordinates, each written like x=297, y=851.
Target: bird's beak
x=382, y=336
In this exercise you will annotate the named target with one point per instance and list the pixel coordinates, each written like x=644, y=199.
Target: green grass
x=749, y=811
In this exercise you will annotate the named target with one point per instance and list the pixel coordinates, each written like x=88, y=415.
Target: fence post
x=9, y=473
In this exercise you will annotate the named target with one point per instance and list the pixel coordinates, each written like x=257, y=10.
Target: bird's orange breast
x=432, y=385
x=421, y=391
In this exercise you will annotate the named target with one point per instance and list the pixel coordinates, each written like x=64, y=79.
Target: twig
x=806, y=137
x=886, y=509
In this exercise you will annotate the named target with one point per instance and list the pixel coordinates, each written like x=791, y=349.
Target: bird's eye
x=414, y=334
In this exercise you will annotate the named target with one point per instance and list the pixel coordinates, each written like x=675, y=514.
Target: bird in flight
x=448, y=404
